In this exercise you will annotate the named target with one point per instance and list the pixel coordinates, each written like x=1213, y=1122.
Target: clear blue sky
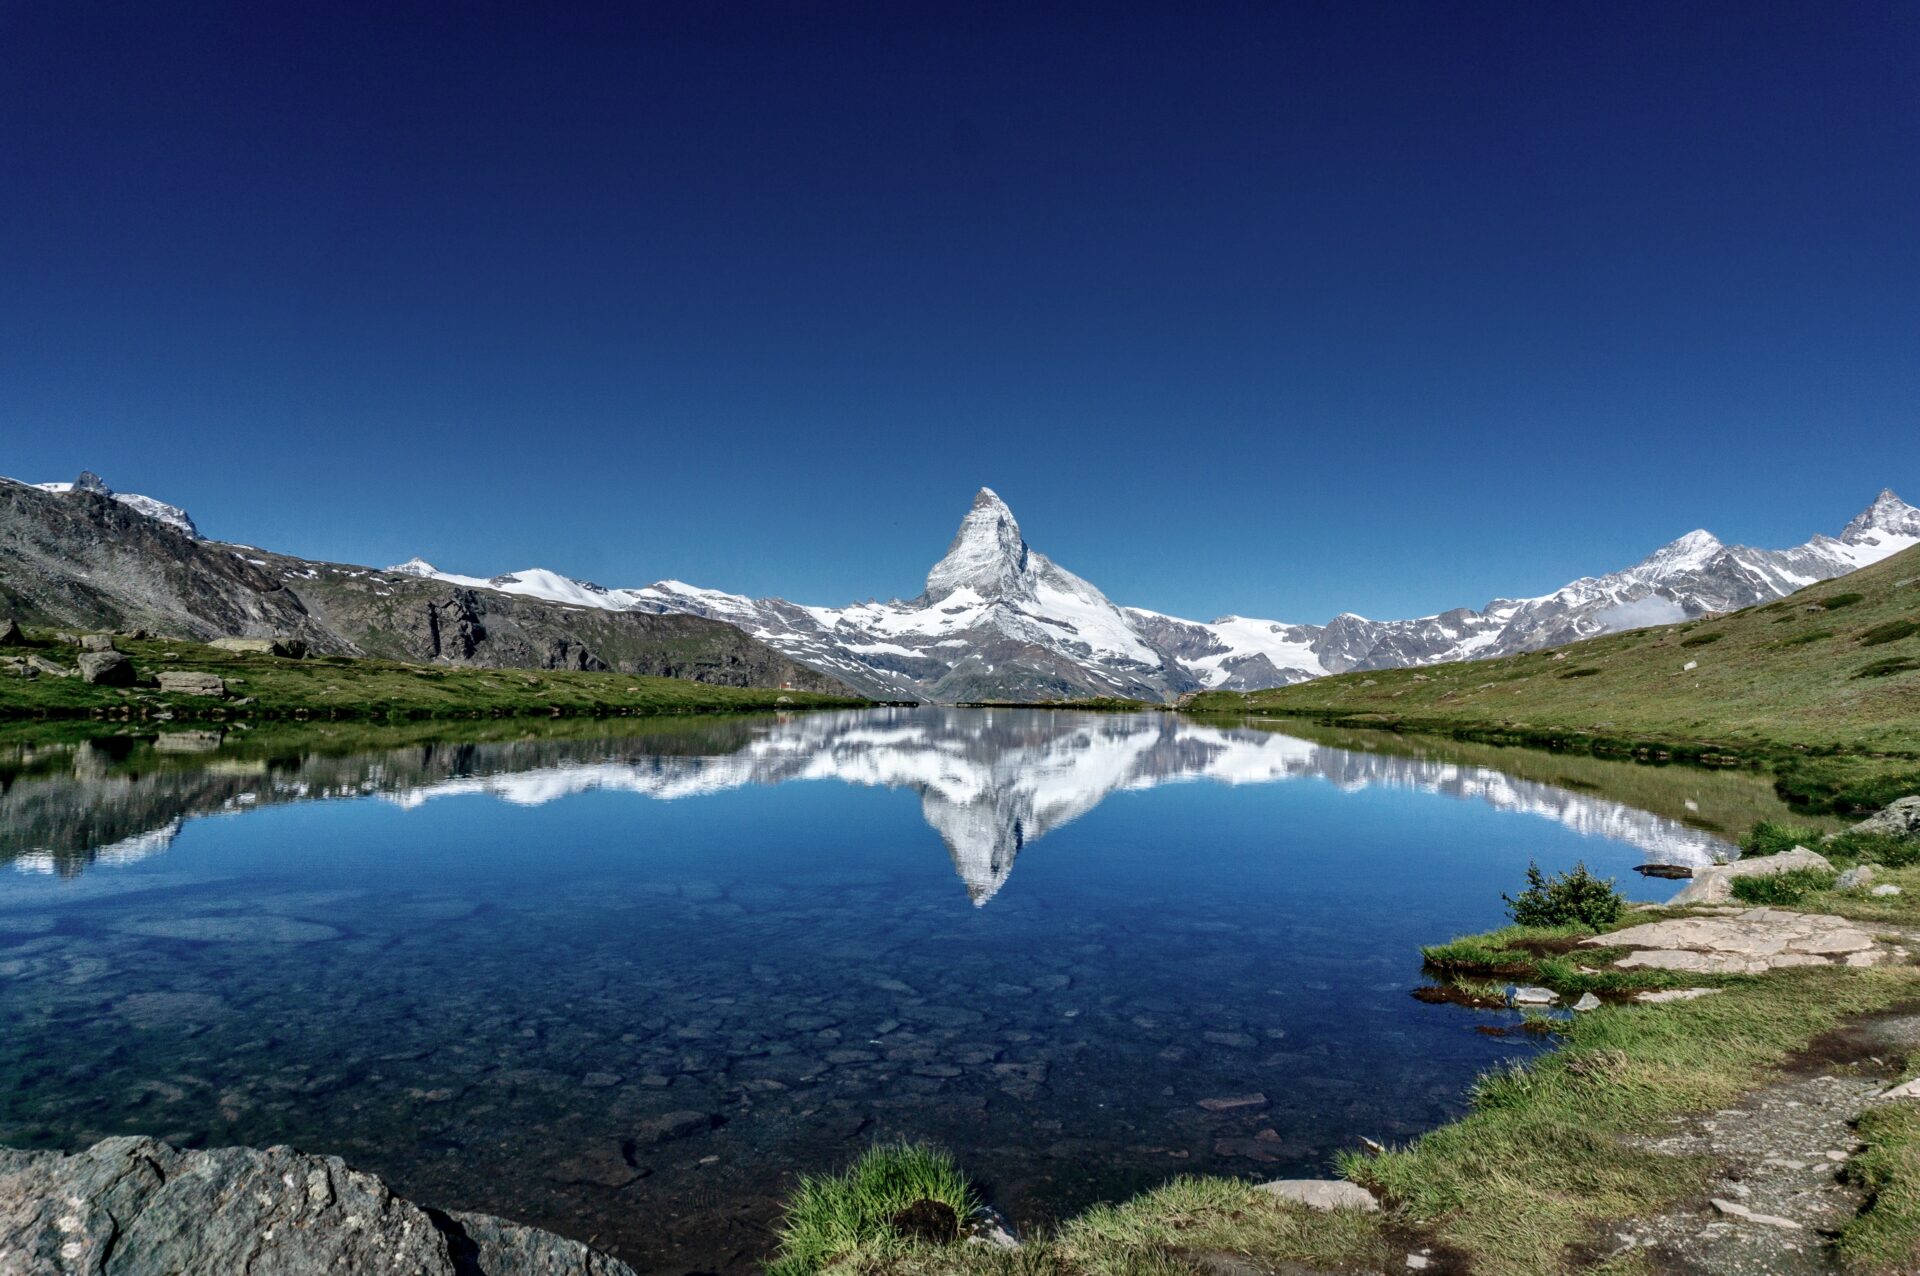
x=1272, y=309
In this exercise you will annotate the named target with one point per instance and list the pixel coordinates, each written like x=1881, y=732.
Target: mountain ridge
x=1000, y=620
x=996, y=619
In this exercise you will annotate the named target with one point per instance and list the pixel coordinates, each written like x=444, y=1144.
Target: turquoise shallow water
x=625, y=988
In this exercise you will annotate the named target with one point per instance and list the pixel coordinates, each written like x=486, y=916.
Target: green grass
x=1794, y=686
x=1885, y=1237
x=848, y=1218
x=1549, y=1155
x=1520, y=1183
x=1781, y=890
x=1892, y=631
x=342, y=687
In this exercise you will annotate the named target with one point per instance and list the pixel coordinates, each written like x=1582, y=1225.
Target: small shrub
x=1812, y=635
x=1701, y=640
x=1585, y=672
x=1837, y=601
x=1892, y=631
x=1574, y=898
x=1789, y=887
x=1886, y=668
x=831, y=1216
x=1770, y=837
x=1875, y=848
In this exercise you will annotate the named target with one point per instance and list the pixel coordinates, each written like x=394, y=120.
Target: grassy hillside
x=342, y=687
x=1824, y=684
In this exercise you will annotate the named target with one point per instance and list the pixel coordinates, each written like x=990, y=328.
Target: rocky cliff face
x=82, y=556
x=137, y=1207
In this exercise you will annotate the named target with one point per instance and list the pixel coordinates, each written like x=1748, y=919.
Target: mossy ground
x=262, y=686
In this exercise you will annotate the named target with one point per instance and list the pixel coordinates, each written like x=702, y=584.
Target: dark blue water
x=627, y=988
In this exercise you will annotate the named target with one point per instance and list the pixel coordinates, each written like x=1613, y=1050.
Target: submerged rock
x=138, y=1207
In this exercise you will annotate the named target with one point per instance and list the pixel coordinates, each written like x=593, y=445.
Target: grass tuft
x=1779, y=889
x=833, y=1218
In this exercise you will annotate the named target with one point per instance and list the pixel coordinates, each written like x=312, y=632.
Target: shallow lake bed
x=626, y=988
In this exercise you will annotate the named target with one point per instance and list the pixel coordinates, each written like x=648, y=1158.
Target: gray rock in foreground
x=1900, y=818
x=138, y=1207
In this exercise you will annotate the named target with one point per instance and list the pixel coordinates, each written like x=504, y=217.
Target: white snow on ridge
x=161, y=512
x=991, y=589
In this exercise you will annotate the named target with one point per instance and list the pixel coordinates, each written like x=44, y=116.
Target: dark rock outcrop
x=138, y=1207
x=86, y=559
x=106, y=668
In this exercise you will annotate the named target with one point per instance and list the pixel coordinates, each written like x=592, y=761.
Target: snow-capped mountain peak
x=1888, y=517
x=415, y=566
x=988, y=554
x=1689, y=552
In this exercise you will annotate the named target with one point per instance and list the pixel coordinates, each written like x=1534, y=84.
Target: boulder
x=181, y=682
x=291, y=648
x=1321, y=1194
x=1885, y=889
x=53, y=669
x=1901, y=818
x=96, y=642
x=1587, y=1002
x=138, y=1207
x=10, y=635
x=1715, y=885
x=1528, y=996
x=106, y=668
x=1854, y=878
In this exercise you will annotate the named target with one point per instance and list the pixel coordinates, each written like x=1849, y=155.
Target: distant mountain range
x=1000, y=620
x=997, y=619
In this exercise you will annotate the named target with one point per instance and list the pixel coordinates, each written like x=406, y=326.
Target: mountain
x=1000, y=620
x=172, y=515
x=996, y=620
x=1693, y=576
x=78, y=554
x=1825, y=680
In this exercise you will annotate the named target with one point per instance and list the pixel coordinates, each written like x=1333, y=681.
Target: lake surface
x=626, y=988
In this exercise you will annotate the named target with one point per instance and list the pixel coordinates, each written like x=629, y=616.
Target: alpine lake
x=627, y=980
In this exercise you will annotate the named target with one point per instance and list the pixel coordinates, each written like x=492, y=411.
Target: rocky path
x=1776, y=1198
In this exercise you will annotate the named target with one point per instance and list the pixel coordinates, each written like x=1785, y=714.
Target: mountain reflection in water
x=990, y=782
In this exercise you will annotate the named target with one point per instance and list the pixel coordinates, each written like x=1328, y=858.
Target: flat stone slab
x=1321, y=1194
x=1745, y=943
